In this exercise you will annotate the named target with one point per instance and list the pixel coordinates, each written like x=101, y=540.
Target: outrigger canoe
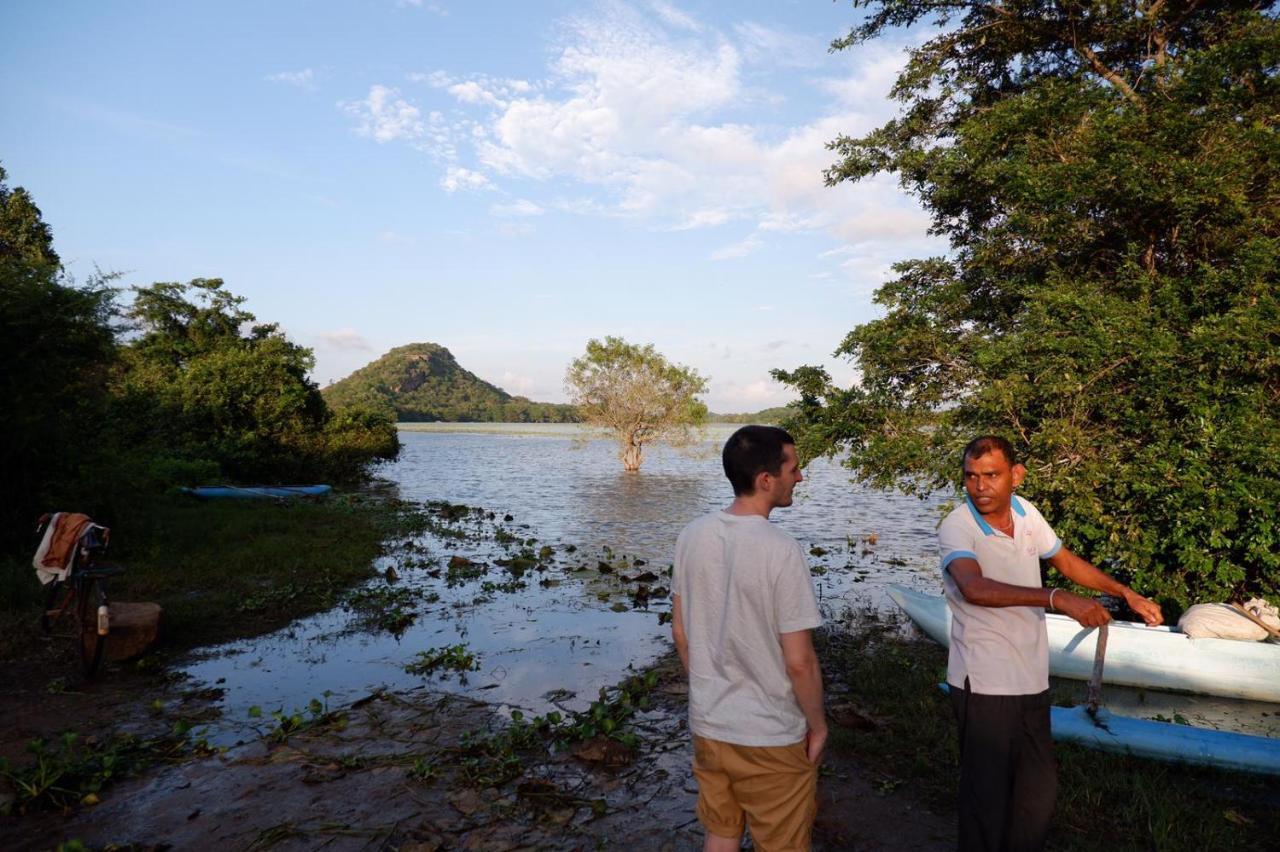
x=1137, y=655
x=1164, y=741
x=251, y=492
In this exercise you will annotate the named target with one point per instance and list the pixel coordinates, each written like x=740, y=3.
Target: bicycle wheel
x=91, y=594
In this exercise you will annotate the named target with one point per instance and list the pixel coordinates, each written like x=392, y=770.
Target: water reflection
x=562, y=635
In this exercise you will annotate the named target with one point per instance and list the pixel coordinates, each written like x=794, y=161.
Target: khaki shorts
x=773, y=789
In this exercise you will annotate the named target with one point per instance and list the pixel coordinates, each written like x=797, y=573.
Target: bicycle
x=76, y=606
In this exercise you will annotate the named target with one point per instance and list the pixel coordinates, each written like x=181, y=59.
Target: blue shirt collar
x=1018, y=510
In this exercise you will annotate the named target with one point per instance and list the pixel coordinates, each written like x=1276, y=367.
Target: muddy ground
x=398, y=771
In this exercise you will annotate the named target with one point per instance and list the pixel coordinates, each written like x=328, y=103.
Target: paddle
x=1095, y=680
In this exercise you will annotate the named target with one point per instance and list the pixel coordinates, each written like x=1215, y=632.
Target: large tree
x=56, y=343
x=1107, y=175
x=637, y=395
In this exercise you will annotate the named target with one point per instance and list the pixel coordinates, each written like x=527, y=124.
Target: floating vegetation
x=315, y=715
x=450, y=658
x=74, y=770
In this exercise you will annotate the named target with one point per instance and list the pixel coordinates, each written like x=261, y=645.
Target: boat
x=1137, y=655
x=252, y=492
x=1166, y=741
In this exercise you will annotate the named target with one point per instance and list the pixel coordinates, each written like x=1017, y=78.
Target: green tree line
x=106, y=402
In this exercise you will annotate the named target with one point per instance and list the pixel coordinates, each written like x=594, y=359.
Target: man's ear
x=1019, y=473
x=764, y=481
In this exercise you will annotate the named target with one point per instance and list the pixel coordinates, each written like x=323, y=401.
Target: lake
x=556, y=635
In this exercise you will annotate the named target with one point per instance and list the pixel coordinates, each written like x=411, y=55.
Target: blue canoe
x=252, y=492
x=1165, y=741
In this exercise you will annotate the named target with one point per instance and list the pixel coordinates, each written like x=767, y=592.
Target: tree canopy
x=104, y=406
x=637, y=395
x=1106, y=174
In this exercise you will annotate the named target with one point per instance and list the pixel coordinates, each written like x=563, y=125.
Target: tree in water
x=1107, y=175
x=637, y=395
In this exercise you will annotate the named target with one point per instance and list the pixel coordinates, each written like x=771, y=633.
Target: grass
x=224, y=570
x=1105, y=801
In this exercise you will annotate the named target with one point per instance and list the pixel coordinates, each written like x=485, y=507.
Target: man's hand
x=1087, y=611
x=814, y=743
x=1145, y=607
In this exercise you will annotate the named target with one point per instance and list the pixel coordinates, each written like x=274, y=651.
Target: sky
x=505, y=179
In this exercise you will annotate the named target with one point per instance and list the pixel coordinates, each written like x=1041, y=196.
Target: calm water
x=559, y=642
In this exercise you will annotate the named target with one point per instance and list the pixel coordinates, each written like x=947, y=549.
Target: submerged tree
x=1107, y=174
x=636, y=394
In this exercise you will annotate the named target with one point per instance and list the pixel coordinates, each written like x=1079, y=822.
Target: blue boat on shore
x=256, y=492
x=1166, y=741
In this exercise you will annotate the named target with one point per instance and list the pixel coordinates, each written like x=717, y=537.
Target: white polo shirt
x=1002, y=650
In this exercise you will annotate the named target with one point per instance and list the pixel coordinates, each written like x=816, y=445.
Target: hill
x=767, y=417
x=424, y=382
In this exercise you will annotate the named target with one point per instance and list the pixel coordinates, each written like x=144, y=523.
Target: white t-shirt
x=1002, y=650
x=742, y=581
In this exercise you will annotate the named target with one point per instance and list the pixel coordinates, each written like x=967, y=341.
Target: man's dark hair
x=751, y=451
x=979, y=447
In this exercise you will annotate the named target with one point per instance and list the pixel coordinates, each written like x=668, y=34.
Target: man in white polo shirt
x=743, y=608
x=998, y=670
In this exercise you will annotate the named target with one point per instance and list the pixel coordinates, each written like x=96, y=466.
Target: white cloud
x=779, y=47
x=434, y=8
x=673, y=17
x=456, y=178
x=517, y=384
x=385, y=116
x=304, y=79
x=737, y=250
x=345, y=339
x=639, y=116
x=523, y=207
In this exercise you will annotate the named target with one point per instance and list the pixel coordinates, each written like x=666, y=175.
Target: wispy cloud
x=385, y=116
x=346, y=339
x=737, y=250
x=304, y=79
x=457, y=178
x=523, y=207
x=434, y=8
x=639, y=116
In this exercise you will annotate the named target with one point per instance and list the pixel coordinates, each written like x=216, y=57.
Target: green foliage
x=1106, y=177
x=56, y=342
x=94, y=417
x=72, y=770
x=450, y=658
x=423, y=382
x=636, y=394
x=202, y=381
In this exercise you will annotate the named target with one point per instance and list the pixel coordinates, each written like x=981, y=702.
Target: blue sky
x=505, y=179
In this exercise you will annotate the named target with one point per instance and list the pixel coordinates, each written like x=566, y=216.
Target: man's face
x=781, y=486
x=989, y=481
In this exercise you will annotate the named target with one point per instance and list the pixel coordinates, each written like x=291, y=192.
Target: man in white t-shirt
x=998, y=669
x=743, y=607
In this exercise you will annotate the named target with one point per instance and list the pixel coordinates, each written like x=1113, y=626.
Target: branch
x=1103, y=71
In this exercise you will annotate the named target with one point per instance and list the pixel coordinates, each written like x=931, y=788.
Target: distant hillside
x=423, y=382
x=768, y=417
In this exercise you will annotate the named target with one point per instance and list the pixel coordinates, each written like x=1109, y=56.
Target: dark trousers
x=1008, y=777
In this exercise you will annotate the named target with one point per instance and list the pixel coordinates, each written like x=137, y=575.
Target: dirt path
x=397, y=771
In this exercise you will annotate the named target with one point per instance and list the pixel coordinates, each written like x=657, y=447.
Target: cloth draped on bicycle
x=57, y=551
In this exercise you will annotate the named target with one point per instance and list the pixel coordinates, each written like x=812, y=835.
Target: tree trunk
x=631, y=458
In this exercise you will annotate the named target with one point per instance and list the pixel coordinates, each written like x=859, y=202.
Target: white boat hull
x=1137, y=655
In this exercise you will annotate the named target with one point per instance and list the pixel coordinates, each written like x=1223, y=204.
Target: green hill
x=423, y=382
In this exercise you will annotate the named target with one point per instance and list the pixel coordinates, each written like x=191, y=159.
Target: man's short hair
x=751, y=451
x=979, y=447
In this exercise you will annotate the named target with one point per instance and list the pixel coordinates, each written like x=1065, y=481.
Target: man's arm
x=1085, y=574
x=677, y=632
x=806, y=679
x=983, y=591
